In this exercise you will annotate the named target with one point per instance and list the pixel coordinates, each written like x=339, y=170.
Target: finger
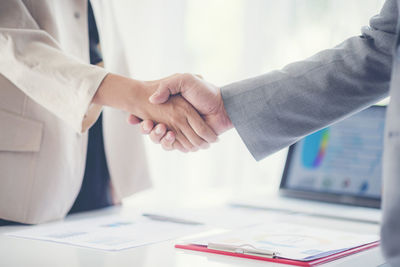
x=167, y=142
x=166, y=88
x=146, y=126
x=184, y=140
x=193, y=138
x=158, y=132
x=178, y=146
x=132, y=119
x=201, y=128
x=161, y=95
x=171, y=86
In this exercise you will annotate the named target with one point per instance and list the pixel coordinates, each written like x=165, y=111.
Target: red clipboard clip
x=245, y=249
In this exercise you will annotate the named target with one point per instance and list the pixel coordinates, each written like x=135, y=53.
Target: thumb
x=161, y=95
x=163, y=92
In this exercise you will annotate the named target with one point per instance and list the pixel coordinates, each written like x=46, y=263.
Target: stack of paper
x=289, y=241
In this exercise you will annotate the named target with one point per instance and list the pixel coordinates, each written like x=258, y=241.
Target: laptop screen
x=341, y=163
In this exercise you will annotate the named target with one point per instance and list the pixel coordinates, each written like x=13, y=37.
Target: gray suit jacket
x=276, y=109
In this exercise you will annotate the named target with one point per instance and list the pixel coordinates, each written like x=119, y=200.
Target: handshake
x=181, y=112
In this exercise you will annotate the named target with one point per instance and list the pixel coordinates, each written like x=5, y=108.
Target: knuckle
x=186, y=143
x=200, y=143
x=162, y=85
x=166, y=145
x=203, y=131
x=178, y=120
x=165, y=142
x=197, y=141
x=154, y=138
x=187, y=76
x=190, y=146
x=174, y=119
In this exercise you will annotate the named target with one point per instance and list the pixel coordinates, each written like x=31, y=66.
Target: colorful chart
x=314, y=149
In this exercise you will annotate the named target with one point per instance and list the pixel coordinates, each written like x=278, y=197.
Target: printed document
x=111, y=232
x=291, y=241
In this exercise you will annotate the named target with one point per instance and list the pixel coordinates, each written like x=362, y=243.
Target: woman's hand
x=191, y=132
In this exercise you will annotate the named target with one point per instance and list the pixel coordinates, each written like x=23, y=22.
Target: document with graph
x=287, y=241
x=112, y=232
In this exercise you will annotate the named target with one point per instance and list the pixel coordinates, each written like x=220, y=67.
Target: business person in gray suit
x=276, y=109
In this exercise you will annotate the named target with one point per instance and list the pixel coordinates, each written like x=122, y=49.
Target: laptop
x=335, y=172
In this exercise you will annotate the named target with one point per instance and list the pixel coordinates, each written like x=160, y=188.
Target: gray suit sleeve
x=276, y=109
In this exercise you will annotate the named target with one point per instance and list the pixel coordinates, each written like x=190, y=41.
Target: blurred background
x=225, y=41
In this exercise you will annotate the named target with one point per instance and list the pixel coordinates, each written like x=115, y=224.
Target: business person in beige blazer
x=50, y=96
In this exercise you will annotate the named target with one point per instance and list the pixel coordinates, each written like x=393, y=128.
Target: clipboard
x=270, y=257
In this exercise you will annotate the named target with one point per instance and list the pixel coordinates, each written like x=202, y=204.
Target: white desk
x=24, y=252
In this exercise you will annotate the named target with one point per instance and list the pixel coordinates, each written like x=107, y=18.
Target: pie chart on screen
x=314, y=149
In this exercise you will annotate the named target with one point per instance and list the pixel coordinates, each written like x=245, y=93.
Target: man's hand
x=177, y=116
x=204, y=96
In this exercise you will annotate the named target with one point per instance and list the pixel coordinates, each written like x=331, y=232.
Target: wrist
x=225, y=121
x=110, y=91
x=119, y=92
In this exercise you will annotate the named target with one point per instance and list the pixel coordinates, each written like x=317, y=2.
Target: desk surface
x=25, y=252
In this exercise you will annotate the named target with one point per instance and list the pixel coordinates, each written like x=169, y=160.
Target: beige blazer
x=46, y=87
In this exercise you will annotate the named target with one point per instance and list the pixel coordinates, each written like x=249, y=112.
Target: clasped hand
x=181, y=112
x=203, y=96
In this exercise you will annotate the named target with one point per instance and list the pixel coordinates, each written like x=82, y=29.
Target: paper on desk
x=226, y=217
x=111, y=232
x=291, y=241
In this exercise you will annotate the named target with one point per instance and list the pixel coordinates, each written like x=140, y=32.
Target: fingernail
x=169, y=137
x=158, y=130
x=146, y=127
